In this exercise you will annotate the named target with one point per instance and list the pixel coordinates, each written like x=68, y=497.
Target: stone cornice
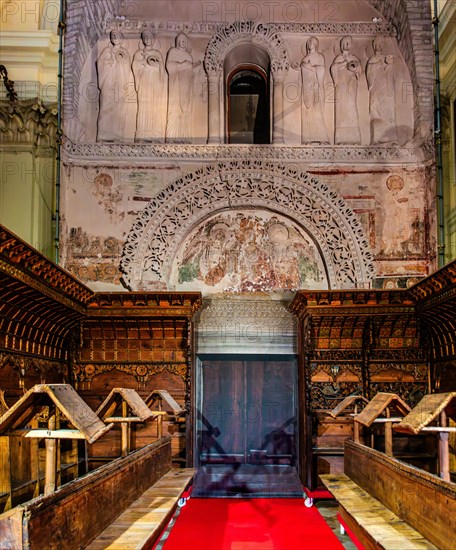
x=361, y=28
x=134, y=152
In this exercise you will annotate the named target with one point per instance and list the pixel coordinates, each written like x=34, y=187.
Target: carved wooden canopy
x=41, y=304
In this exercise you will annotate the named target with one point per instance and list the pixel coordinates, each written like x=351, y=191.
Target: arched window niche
x=248, y=110
x=247, y=98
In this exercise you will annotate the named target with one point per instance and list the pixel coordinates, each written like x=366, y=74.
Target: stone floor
x=327, y=508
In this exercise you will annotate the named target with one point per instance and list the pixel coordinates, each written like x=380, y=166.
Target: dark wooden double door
x=247, y=410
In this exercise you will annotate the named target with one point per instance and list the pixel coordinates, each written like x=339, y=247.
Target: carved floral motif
x=161, y=227
x=243, y=32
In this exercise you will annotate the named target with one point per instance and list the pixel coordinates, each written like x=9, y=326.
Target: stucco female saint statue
x=345, y=72
x=150, y=83
x=382, y=105
x=180, y=67
x=118, y=102
x=313, y=126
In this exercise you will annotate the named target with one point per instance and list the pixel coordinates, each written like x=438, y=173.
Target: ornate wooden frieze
x=29, y=365
x=411, y=393
x=144, y=304
x=438, y=287
x=382, y=300
x=325, y=396
x=84, y=373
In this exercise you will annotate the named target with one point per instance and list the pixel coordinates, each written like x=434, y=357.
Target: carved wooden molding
x=85, y=372
x=438, y=287
x=21, y=261
x=364, y=302
x=24, y=363
x=159, y=304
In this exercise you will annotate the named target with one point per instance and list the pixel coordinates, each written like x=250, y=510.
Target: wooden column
x=444, y=451
x=125, y=431
x=51, y=458
x=5, y=470
x=356, y=431
x=388, y=435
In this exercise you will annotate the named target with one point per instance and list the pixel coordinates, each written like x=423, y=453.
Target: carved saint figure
x=345, y=72
x=118, y=101
x=150, y=83
x=313, y=127
x=382, y=107
x=180, y=67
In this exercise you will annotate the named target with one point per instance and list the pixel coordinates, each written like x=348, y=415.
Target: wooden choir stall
x=125, y=407
x=65, y=419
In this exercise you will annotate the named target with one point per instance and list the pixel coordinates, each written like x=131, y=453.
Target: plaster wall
x=139, y=209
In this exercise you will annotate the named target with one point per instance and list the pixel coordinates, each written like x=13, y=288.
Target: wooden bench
x=143, y=521
x=75, y=514
x=371, y=522
x=389, y=504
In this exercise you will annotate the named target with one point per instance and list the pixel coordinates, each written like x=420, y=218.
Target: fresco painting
x=248, y=251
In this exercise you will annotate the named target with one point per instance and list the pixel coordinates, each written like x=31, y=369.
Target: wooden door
x=247, y=410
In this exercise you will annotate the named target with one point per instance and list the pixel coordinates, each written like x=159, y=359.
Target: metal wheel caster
x=308, y=502
x=182, y=502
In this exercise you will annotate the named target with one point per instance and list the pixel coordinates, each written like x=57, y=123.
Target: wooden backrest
x=423, y=500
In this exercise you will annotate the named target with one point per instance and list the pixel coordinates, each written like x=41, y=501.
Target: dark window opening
x=248, y=111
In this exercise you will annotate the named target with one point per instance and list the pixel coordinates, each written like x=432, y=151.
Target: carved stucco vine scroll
x=160, y=229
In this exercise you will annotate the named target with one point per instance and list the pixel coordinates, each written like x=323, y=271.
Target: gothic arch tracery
x=160, y=229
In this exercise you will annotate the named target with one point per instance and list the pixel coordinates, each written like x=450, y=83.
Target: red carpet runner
x=254, y=524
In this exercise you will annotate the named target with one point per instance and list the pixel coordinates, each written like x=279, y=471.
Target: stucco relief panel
x=152, y=87
x=130, y=91
x=248, y=251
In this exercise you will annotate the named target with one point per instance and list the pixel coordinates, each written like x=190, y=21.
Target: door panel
x=247, y=410
x=222, y=411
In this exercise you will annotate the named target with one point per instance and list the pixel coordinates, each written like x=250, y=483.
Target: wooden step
x=141, y=524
